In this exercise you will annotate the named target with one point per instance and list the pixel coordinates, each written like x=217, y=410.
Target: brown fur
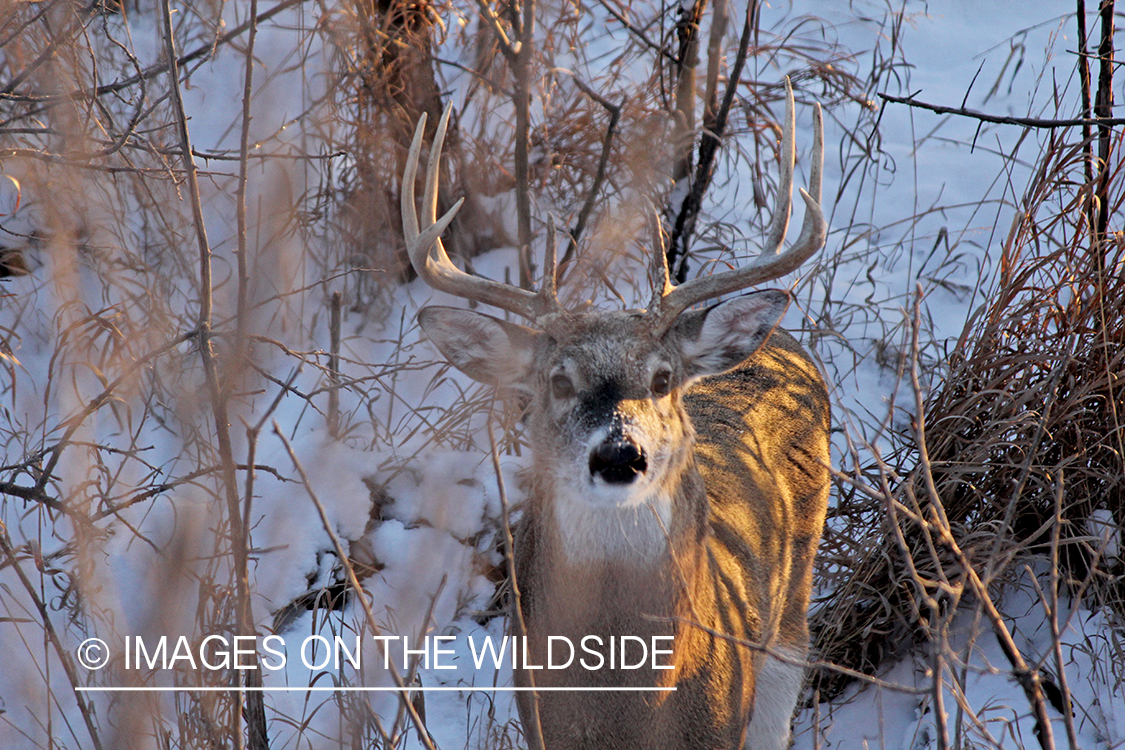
x=741, y=566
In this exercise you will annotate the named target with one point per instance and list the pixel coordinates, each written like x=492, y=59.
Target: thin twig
x=937, y=630
x=786, y=657
x=243, y=230
x=599, y=176
x=353, y=581
x=52, y=636
x=255, y=700
x=50, y=52
x=1052, y=604
x=160, y=68
x=334, y=366
x=536, y=735
x=1027, y=677
x=255, y=714
x=637, y=32
x=1027, y=122
x=75, y=423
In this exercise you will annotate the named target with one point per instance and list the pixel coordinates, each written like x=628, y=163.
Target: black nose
x=618, y=461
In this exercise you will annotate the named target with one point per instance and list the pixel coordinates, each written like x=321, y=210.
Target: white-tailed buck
x=679, y=485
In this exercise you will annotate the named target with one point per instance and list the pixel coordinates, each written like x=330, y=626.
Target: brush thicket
x=1023, y=456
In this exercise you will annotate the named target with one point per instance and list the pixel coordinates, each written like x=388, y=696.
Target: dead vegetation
x=1018, y=460
x=118, y=359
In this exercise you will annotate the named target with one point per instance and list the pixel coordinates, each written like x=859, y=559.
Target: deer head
x=644, y=358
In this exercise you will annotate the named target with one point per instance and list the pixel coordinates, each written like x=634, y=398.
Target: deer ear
x=724, y=335
x=487, y=349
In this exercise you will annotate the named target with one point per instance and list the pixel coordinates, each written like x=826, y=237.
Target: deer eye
x=661, y=383
x=561, y=386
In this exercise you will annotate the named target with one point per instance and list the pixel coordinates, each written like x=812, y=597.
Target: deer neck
x=647, y=531
x=617, y=570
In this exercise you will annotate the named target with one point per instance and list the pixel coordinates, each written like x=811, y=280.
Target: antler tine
x=549, y=312
x=779, y=222
x=427, y=253
x=772, y=263
x=658, y=264
x=814, y=229
x=548, y=287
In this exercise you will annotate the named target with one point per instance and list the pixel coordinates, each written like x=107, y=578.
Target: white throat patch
x=607, y=523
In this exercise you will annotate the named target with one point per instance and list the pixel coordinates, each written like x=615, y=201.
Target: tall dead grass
x=1013, y=459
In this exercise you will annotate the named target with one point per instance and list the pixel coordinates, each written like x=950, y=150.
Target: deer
x=678, y=487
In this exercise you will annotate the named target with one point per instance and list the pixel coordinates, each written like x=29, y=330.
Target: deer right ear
x=487, y=349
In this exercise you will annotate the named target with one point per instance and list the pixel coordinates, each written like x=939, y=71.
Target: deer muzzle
x=618, y=460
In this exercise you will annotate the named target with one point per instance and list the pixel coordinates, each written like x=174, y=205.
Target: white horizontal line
x=361, y=689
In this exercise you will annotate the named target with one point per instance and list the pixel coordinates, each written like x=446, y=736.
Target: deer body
x=678, y=489
x=747, y=509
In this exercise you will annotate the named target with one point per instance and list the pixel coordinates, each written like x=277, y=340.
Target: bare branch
x=599, y=176
x=255, y=714
x=686, y=214
x=1027, y=122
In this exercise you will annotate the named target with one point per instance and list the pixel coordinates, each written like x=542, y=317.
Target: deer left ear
x=723, y=336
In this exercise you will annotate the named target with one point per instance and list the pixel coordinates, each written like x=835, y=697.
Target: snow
x=426, y=506
x=898, y=712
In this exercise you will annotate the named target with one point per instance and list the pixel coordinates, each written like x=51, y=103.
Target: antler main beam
x=432, y=263
x=428, y=255
x=772, y=263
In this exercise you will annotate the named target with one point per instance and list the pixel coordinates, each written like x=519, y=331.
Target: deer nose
x=618, y=461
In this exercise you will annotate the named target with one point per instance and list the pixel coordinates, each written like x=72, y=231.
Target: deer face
x=607, y=410
x=606, y=417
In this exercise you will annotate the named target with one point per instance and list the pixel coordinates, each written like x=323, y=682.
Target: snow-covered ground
x=942, y=182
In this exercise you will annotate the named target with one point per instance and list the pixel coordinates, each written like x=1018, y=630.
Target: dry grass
x=1022, y=446
x=113, y=447
x=1035, y=402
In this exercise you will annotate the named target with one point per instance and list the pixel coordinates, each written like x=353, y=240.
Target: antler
x=669, y=301
x=430, y=260
x=428, y=256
